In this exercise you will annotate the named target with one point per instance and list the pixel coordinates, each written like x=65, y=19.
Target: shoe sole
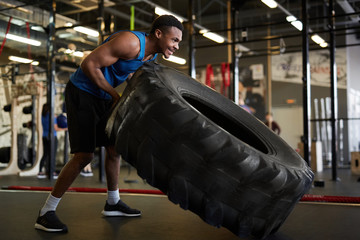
x=41, y=227
x=119, y=214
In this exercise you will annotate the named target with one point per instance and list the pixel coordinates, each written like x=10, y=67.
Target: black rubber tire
x=206, y=153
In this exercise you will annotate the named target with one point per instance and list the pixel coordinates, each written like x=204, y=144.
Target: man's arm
x=123, y=46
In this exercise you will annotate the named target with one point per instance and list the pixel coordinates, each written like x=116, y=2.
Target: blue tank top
x=114, y=74
x=45, y=124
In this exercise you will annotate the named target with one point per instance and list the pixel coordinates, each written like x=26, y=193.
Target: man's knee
x=83, y=159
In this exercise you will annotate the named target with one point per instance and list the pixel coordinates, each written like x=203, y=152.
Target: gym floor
x=161, y=219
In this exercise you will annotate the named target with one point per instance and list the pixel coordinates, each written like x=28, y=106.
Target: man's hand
x=115, y=99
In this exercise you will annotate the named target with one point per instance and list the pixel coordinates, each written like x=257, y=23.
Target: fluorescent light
x=68, y=24
x=87, y=31
x=23, y=40
x=291, y=18
x=270, y=3
x=65, y=35
x=202, y=31
x=213, y=36
x=68, y=51
x=37, y=28
x=19, y=59
x=78, y=54
x=297, y=24
x=160, y=11
x=23, y=60
x=174, y=59
x=316, y=38
x=324, y=44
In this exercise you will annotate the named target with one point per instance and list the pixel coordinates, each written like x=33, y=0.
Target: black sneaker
x=120, y=209
x=49, y=222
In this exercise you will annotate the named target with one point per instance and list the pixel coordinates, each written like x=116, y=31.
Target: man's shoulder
x=130, y=35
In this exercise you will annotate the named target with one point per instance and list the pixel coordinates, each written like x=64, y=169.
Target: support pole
x=51, y=87
x=269, y=74
x=234, y=87
x=101, y=27
x=306, y=83
x=229, y=32
x=191, y=32
x=333, y=94
x=101, y=21
x=33, y=129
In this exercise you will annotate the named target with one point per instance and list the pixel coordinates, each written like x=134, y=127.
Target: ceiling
x=253, y=18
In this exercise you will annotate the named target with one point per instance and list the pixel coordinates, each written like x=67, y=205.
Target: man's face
x=169, y=40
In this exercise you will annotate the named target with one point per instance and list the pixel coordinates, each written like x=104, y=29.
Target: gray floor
x=162, y=219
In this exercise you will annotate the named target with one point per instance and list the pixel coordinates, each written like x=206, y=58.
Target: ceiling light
x=316, y=38
x=324, y=44
x=174, y=59
x=23, y=40
x=212, y=36
x=297, y=24
x=291, y=18
x=68, y=51
x=23, y=60
x=37, y=28
x=270, y=3
x=78, y=54
x=68, y=24
x=87, y=31
x=160, y=11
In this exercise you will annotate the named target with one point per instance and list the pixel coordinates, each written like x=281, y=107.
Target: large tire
x=206, y=153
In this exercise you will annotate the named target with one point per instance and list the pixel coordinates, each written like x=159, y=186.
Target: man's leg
x=47, y=219
x=112, y=168
x=114, y=206
x=69, y=173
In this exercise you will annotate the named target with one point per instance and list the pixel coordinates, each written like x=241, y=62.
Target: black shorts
x=87, y=116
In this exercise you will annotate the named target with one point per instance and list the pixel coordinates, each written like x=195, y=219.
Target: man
x=90, y=95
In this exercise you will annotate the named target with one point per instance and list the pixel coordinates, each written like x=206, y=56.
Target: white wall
x=353, y=90
x=290, y=122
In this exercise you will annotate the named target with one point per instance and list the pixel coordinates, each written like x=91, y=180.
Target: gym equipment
x=27, y=109
x=12, y=167
x=62, y=121
x=33, y=171
x=206, y=153
x=7, y=108
x=5, y=154
x=22, y=150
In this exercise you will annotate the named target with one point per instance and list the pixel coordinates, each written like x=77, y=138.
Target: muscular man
x=89, y=97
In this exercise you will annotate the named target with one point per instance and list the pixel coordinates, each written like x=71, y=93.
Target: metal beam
x=51, y=88
x=306, y=83
x=234, y=87
x=101, y=21
x=191, y=17
x=333, y=94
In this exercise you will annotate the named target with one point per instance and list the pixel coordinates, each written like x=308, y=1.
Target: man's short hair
x=164, y=22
